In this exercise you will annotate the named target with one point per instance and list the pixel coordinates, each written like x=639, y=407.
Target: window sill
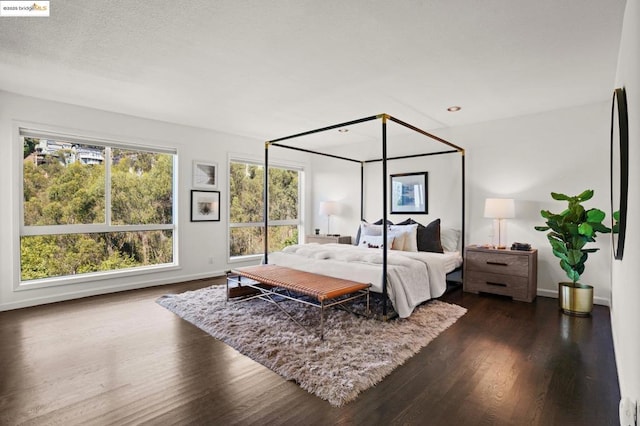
x=247, y=258
x=94, y=276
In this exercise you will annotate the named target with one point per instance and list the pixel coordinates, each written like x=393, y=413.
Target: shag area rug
x=357, y=352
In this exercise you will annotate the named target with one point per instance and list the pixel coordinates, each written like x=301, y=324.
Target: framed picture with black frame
x=409, y=193
x=205, y=206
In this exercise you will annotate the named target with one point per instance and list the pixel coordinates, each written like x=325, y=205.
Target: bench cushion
x=321, y=287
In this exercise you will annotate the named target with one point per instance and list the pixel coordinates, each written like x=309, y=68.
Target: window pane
x=282, y=236
x=245, y=183
x=283, y=194
x=63, y=183
x=245, y=241
x=246, y=206
x=141, y=188
x=58, y=255
x=249, y=240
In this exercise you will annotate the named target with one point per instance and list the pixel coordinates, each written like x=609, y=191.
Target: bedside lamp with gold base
x=499, y=209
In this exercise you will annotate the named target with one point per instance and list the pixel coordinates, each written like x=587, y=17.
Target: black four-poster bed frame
x=384, y=160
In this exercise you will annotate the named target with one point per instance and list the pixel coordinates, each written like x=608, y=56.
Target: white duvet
x=412, y=277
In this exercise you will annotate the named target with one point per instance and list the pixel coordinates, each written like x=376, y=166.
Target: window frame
x=300, y=222
x=37, y=130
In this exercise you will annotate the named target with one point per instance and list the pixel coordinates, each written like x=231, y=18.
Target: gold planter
x=575, y=299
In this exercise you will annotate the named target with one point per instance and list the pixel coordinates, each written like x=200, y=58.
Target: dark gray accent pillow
x=379, y=222
x=428, y=236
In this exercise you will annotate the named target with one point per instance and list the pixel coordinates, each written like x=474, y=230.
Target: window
x=93, y=205
x=246, y=212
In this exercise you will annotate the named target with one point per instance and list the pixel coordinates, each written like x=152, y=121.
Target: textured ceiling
x=266, y=69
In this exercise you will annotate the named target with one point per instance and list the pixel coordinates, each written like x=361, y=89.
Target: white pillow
x=399, y=237
x=374, y=241
x=411, y=240
x=449, y=238
x=369, y=229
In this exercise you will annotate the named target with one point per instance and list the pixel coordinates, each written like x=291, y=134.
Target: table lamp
x=329, y=208
x=500, y=209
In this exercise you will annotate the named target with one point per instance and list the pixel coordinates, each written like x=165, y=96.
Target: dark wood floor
x=123, y=359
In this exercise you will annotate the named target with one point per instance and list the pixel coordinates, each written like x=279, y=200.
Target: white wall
x=198, y=241
x=526, y=158
x=625, y=291
x=335, y=180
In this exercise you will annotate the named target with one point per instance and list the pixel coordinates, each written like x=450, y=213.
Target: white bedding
x=412, y=277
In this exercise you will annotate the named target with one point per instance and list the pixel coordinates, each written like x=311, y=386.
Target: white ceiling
x=266, y=69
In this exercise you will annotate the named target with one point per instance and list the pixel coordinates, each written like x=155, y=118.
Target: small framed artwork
x=205, y=206
x=205, y=175
x=409, y=193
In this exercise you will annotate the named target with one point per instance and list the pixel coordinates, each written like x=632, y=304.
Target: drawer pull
x=497, y=263
x=496, y=284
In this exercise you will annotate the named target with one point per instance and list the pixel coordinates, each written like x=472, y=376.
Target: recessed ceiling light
x=454, y=108
x=343, y=130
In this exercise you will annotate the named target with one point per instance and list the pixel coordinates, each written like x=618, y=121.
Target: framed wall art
x=205, y=206
x=409, y=193
x=205, y=175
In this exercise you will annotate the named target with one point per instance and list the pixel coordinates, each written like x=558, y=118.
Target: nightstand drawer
x=506, y=285
x=499, y=263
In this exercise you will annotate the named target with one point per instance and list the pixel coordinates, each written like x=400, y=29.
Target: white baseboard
x=105, y=290
x=554, y=294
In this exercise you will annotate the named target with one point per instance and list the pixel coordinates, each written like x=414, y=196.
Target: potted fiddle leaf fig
x=569, y=233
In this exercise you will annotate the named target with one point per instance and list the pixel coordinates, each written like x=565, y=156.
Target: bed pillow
x=410, y=222
x=366, y=224
x=428, y=238
x=369, y=230
x=375, y=241
x=410, y=242
x=450, y=239
x=399, y=239
x=362, y=230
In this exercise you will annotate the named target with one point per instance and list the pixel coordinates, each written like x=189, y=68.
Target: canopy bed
x=382, y=259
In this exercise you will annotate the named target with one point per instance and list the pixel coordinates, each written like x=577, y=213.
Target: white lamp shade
x=329, y=208
x=499, y=208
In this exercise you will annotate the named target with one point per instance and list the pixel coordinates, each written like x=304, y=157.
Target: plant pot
x=575, y=299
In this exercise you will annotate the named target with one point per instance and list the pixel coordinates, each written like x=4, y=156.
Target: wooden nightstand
x=507, y=272
x=325, y=239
